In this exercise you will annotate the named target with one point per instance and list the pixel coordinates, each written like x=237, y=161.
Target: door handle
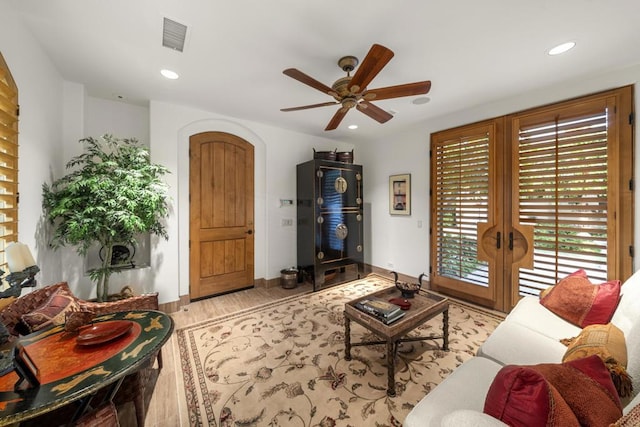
x=498, y=238
x=511, y=240
x=249, y=232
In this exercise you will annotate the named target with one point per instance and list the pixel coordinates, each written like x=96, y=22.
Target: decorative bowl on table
x=103, y=332
x=408, y=290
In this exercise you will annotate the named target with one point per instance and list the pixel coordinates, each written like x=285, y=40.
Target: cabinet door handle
x=498, y=239
x=511, y=240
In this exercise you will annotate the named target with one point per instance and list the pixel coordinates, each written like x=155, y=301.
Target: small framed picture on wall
x=400, y=194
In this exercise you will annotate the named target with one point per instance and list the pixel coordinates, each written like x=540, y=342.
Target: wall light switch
x=287, y=222
x=419, y=223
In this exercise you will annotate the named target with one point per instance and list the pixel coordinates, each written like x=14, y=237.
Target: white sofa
x=529, y=335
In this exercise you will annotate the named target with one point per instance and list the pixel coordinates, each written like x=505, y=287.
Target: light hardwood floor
x=166, y=408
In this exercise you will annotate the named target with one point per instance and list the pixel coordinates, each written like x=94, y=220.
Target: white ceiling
x=473, y=51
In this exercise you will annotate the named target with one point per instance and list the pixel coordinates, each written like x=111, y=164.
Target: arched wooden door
x=221, y=239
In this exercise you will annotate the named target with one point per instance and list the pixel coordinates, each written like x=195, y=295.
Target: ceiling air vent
x=173, y=34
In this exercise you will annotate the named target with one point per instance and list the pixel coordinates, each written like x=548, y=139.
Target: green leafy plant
x=112, y=194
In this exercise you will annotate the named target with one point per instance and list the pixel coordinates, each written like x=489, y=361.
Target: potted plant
x=112, y=194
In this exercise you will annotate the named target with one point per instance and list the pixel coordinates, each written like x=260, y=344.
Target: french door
x=520, y=201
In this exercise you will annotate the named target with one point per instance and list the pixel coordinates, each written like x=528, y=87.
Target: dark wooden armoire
x=330, y=218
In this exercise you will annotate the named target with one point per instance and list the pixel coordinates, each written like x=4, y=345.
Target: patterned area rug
x=282, y=363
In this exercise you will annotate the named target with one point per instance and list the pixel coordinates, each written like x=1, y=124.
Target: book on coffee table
x=385, y=311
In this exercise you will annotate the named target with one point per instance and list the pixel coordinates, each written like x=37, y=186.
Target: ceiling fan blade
x=337, y=118
x=376, y=113
x=308, y=80
x=375, y=61
x=306, y=107
x=409, y=89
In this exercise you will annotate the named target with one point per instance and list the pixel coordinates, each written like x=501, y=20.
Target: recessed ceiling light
x=561, y=48
x=353, y=126
x=172, y=75
x=421, y=100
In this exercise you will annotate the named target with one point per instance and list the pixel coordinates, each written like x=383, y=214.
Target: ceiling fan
x=351, y=91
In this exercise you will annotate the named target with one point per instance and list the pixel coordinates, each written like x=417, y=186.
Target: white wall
x=397, y=240
x=41, y=121
x=120, y=119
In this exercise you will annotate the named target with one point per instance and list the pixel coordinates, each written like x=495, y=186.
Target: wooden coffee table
x=424, y=306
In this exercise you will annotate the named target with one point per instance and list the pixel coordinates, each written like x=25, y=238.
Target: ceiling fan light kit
x=351, y=91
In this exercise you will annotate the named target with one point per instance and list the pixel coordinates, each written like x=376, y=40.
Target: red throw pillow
x=580, y=302
x=521, y=397
x=554, y=395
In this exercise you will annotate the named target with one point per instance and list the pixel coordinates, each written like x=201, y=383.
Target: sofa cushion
x=580, y=302
x=52, y=312
x=514, y=344
x=466, y=417
x=465, y=388
x=554, y=394
x=628, y=312
x=530, y=313
x=633, y=354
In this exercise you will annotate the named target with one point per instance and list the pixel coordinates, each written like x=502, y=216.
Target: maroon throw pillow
x=52, y=312
x=580, y=302
x=554, y=394
x=520, y=396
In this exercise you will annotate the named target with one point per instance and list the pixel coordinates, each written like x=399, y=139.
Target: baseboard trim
x=174, y=306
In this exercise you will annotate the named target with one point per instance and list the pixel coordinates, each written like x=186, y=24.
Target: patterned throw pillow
x=604, y=340
x=52, y=312
x=607, y=342
x=580, y=302
x=557, y=394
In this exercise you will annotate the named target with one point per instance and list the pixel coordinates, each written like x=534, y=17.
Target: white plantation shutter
x=8, y=160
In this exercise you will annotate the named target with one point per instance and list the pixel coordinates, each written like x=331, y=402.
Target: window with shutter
x=513, y=213
x=563, y=193
x=8, y=160
x=461, y=172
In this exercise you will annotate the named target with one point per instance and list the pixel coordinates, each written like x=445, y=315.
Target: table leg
x=445, y=330
x=391, y=385
x=347, y=338
x=83, y=404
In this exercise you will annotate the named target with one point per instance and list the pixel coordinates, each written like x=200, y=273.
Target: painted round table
x=70, y=369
